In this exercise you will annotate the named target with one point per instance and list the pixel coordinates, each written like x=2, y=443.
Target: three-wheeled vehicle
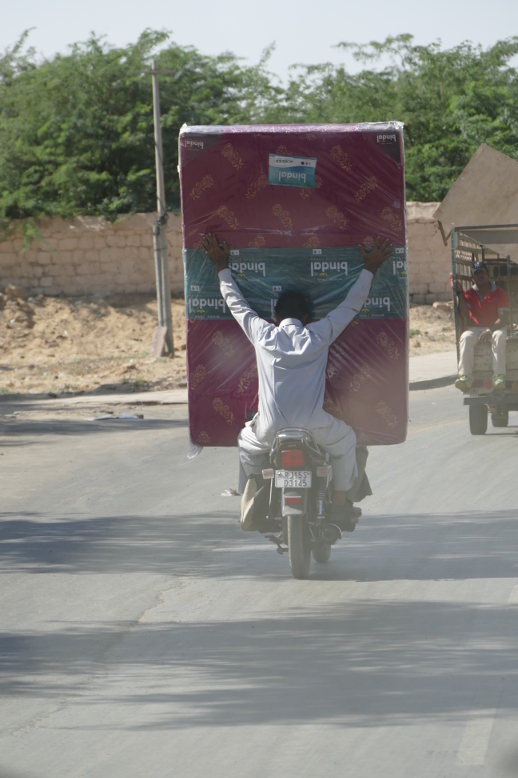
x=494, y=245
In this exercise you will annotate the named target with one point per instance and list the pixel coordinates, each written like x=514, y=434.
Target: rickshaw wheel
x=478, y=419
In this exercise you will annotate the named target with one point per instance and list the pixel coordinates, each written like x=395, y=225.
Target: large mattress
x=293, y=202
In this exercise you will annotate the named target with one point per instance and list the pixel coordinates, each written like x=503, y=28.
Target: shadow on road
x=27, y=432
x=384, y=548
x=431, y=546
x=31, y=542
x=361, y=663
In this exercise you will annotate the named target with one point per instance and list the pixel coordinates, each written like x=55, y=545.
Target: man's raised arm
x=249, y=321
x=330, y=327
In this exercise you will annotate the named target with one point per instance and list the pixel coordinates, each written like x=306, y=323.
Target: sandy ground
x=431, y=330
x=59, y=345
x=66, y=345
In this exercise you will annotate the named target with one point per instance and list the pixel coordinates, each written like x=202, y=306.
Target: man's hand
x=457, y=285
x=485, y=336
x=216, y=253
x=377, y=255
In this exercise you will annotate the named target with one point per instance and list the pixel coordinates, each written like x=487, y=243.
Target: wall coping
x=420, y=212
x=137, y=221
x=416, y=212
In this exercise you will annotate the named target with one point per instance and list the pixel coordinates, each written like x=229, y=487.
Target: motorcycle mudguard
x=294, y=510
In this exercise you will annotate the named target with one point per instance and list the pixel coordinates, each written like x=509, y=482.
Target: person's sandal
x=463, y=383
x=499, y=383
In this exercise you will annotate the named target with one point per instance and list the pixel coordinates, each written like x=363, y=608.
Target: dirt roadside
x=69, y=345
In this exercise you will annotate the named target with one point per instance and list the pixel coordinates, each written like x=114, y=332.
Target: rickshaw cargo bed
x=293, y=202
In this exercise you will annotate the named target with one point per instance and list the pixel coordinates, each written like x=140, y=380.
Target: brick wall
x=429, y=260
x=88, y=255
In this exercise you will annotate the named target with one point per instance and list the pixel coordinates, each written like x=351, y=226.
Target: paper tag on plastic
x=291, y=171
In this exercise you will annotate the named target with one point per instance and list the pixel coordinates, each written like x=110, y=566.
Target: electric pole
x=163, y=285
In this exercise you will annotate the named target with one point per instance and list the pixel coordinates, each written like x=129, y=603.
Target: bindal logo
x=241, y=268
x=392, y=138
x=291, y=171
x=377, y=302
x=399, y=267
x=194, y=144
x=322, y=268
x=291, y=175
x=200, y=304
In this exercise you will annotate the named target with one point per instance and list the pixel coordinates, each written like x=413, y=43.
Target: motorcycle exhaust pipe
x=331, y=534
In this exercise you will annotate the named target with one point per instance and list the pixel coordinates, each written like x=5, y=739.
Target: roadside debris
x=107, y=416
x=447, y=307
x=230, y=493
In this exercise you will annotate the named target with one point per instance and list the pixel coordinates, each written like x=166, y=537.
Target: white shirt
x=291, y=358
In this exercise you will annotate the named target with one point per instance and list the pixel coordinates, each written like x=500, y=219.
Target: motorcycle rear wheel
x=299, y=545
x=321, y=552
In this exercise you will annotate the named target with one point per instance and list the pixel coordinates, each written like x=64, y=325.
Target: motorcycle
x=300, y=494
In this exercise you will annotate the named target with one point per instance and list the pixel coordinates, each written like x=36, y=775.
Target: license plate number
x=293, y=479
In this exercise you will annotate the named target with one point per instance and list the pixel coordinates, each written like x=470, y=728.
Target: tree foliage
x=450, y=101
x=76, y=131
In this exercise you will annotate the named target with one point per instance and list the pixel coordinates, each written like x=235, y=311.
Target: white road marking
x=477, y=734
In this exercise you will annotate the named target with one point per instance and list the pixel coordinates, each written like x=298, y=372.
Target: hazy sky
x=304, y=30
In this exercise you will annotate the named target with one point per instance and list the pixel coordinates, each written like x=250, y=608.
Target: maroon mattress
x=293, y=202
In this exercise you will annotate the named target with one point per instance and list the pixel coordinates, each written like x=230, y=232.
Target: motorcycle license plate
x=293, y=479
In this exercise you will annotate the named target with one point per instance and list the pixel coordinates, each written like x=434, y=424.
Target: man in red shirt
x=484, y=310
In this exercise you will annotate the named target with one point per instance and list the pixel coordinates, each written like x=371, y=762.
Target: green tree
x=450, y=102
x=76, y=131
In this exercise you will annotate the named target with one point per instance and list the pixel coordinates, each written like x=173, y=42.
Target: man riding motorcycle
x=291, y=363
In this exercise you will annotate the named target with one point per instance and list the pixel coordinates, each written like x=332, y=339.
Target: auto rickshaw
x=495, y=245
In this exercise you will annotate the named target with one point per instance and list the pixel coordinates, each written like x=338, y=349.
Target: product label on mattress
x=291, y=171
x=326, y=277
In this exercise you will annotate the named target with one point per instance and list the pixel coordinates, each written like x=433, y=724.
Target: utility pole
x=163, y=286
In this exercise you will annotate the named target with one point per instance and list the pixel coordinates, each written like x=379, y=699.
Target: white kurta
x=291, y=365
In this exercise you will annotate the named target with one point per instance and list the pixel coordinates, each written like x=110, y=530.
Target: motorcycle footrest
x=278, y=542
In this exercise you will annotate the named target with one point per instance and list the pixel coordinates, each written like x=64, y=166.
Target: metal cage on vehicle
x=494, y=244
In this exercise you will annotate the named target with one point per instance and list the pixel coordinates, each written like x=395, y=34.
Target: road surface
x=143, y=634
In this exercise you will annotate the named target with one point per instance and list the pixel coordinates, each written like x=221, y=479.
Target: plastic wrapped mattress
x=293, y=202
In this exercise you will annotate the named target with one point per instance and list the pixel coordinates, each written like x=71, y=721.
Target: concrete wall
x=88, y=255
x=429, y=260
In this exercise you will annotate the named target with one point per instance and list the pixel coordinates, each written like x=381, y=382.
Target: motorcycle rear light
x=292, y=457
x=268, y=473
x=292, y=500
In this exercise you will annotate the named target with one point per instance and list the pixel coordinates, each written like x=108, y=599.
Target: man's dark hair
x=293, y=305
x=479, y=266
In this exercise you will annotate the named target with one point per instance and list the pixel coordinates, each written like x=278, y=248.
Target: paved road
x=144, y=635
